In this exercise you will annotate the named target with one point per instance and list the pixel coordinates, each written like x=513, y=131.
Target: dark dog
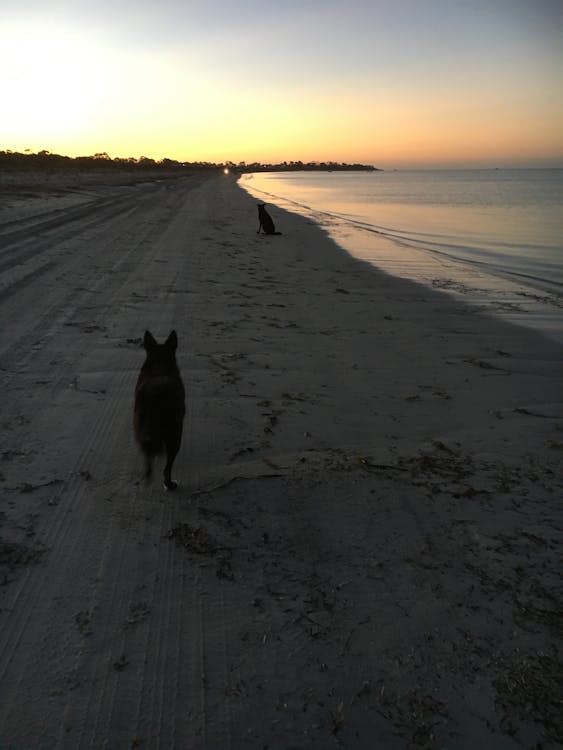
x=159, y=405
x=265, y=220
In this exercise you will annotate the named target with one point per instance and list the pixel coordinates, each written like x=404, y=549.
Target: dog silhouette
x=159, y=405
x=266, y=222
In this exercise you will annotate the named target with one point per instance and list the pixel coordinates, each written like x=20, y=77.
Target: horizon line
x=103, y=156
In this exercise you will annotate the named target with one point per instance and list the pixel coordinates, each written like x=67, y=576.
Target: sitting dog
x=265, y=220
x=159, y=405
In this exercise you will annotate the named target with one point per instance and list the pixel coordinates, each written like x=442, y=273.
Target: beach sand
x=364, y=550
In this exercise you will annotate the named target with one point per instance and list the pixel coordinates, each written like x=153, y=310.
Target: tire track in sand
x=34, y=618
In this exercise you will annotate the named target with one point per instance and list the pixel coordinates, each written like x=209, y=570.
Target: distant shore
x=102, y=161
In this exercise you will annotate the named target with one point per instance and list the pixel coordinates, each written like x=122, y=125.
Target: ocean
x=491, y=237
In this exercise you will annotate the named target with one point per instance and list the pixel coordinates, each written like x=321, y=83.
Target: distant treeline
x=45, y=159
x=299, y=166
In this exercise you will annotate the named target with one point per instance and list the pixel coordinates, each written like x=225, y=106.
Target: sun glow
x=78, y=88
x=53, y=84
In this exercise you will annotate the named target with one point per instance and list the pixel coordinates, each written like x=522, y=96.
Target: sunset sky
x=394, y=83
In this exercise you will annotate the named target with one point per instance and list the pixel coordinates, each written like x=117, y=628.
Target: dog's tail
x=150, y=448
x=148, y=439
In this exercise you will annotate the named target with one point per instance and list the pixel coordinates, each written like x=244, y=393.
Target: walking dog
x=159, y=405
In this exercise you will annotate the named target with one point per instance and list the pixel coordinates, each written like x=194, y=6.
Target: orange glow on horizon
x=75, y=93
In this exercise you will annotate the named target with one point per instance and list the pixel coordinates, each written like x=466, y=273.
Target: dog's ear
x=172, y=341
x=149, y=341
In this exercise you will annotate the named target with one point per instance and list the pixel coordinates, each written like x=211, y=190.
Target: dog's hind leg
x=172, y=448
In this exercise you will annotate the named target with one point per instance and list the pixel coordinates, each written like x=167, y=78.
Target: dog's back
x=265, y=220
x=159, y=405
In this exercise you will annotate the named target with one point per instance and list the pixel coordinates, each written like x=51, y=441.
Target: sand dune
x=364, y=549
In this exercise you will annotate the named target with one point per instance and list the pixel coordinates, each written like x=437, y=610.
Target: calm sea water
x=494, y=237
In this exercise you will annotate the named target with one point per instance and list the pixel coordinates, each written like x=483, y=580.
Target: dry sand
x=364, y=551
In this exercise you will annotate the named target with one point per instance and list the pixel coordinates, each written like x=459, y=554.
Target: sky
x=393, y=83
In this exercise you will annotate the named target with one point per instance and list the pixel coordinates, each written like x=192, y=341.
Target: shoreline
x=363, y=549
x=538, y=306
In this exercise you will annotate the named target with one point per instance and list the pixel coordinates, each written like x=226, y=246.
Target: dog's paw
x=171, y=486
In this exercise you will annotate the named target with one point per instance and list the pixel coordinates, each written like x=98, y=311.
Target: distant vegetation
x=299, y=166
x=45, y=159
